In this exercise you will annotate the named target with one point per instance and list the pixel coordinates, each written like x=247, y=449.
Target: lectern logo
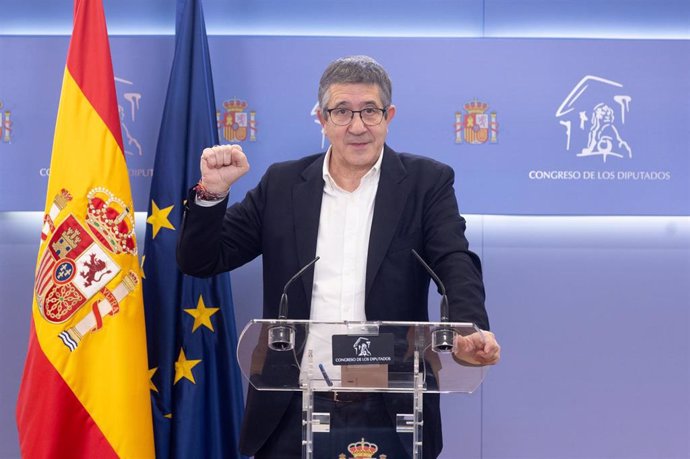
x=362, y=350
x=362, y=347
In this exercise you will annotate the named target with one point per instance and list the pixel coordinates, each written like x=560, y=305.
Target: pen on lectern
x=325, y=375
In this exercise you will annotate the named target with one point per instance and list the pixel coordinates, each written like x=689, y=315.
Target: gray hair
x=355, y=70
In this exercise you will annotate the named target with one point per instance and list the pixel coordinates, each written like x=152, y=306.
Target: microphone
x=282, y=337
x=283, y=307
x=442, y=338
x=439, y=285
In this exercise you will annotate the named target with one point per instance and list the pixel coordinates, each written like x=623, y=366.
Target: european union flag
x=195, y=382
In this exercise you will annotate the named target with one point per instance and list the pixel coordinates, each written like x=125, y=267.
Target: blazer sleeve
x=447, y=251
x=217, y=239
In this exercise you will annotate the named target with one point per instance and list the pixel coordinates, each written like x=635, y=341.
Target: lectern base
x=342, y=429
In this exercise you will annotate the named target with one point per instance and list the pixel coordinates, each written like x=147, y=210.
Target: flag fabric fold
x=85, y=387
x=196, y=386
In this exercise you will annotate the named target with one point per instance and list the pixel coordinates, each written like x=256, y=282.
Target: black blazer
x=415, y=208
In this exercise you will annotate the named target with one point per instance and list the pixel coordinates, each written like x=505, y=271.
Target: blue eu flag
x=196, y=387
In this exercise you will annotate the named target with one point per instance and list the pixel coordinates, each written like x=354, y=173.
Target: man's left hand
x=477, y=348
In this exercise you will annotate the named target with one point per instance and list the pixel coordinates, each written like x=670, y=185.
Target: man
x=361, y=207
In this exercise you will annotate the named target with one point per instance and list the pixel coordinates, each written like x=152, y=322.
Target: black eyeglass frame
x=384, y=113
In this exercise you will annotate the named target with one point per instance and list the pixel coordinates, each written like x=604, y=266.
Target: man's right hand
x=221, y=166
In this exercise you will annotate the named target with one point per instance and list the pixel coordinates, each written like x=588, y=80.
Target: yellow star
x=183, y=367
x=159, y=218
x=202, y=315
x=152, y=386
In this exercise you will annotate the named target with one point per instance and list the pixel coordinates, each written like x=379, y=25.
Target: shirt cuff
x=206, y=202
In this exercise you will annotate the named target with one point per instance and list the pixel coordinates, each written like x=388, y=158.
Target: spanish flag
x=85, y=388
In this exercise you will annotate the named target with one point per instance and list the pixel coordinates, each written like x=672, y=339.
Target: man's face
x=355, y=147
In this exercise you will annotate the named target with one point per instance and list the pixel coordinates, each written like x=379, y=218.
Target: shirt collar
x=375, y=170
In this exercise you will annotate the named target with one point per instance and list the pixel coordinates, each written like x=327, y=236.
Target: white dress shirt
x=340, y=274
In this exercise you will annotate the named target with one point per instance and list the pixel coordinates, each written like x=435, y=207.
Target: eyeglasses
x=371, y=116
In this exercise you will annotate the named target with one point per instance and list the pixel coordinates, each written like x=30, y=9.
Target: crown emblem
x=235, y=105
x=362, y=449
x=111, y=220
x=476, y=107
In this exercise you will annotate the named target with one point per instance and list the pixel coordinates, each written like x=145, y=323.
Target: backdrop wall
x=585, y=245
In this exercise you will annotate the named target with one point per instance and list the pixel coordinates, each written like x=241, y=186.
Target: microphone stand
x=442, y=338
x=282, y=337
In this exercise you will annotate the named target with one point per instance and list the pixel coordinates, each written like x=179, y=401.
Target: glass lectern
x=400, y=357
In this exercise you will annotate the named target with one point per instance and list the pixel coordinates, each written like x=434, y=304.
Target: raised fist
x=221, y=166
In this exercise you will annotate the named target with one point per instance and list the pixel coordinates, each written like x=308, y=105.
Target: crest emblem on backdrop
x=593, y=115
x=78, y=262
x=128, y=106
x=475, y=126
x=314, y=113
x=5, y=124
x=235, y=124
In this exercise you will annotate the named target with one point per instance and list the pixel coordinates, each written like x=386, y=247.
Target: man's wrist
x=204, y=194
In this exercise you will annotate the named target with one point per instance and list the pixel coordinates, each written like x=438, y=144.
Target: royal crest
x=77, y=263
x=476, y=126
x=362, y=449
x=5, y=124
x=235, y=124
x=73, y=269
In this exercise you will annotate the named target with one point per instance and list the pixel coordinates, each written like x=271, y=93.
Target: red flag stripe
x=88, y=59
x=54, y=421
x=90, y=401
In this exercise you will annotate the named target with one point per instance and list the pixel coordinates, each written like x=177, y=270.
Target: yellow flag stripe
x=108, y=372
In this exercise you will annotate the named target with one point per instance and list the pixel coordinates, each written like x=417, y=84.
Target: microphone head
x=442, y=340
x=281, y=338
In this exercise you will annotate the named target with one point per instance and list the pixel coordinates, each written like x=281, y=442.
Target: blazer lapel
x=306, y=205
x=388, y=206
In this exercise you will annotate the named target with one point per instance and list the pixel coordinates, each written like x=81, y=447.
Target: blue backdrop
x=574, y=127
